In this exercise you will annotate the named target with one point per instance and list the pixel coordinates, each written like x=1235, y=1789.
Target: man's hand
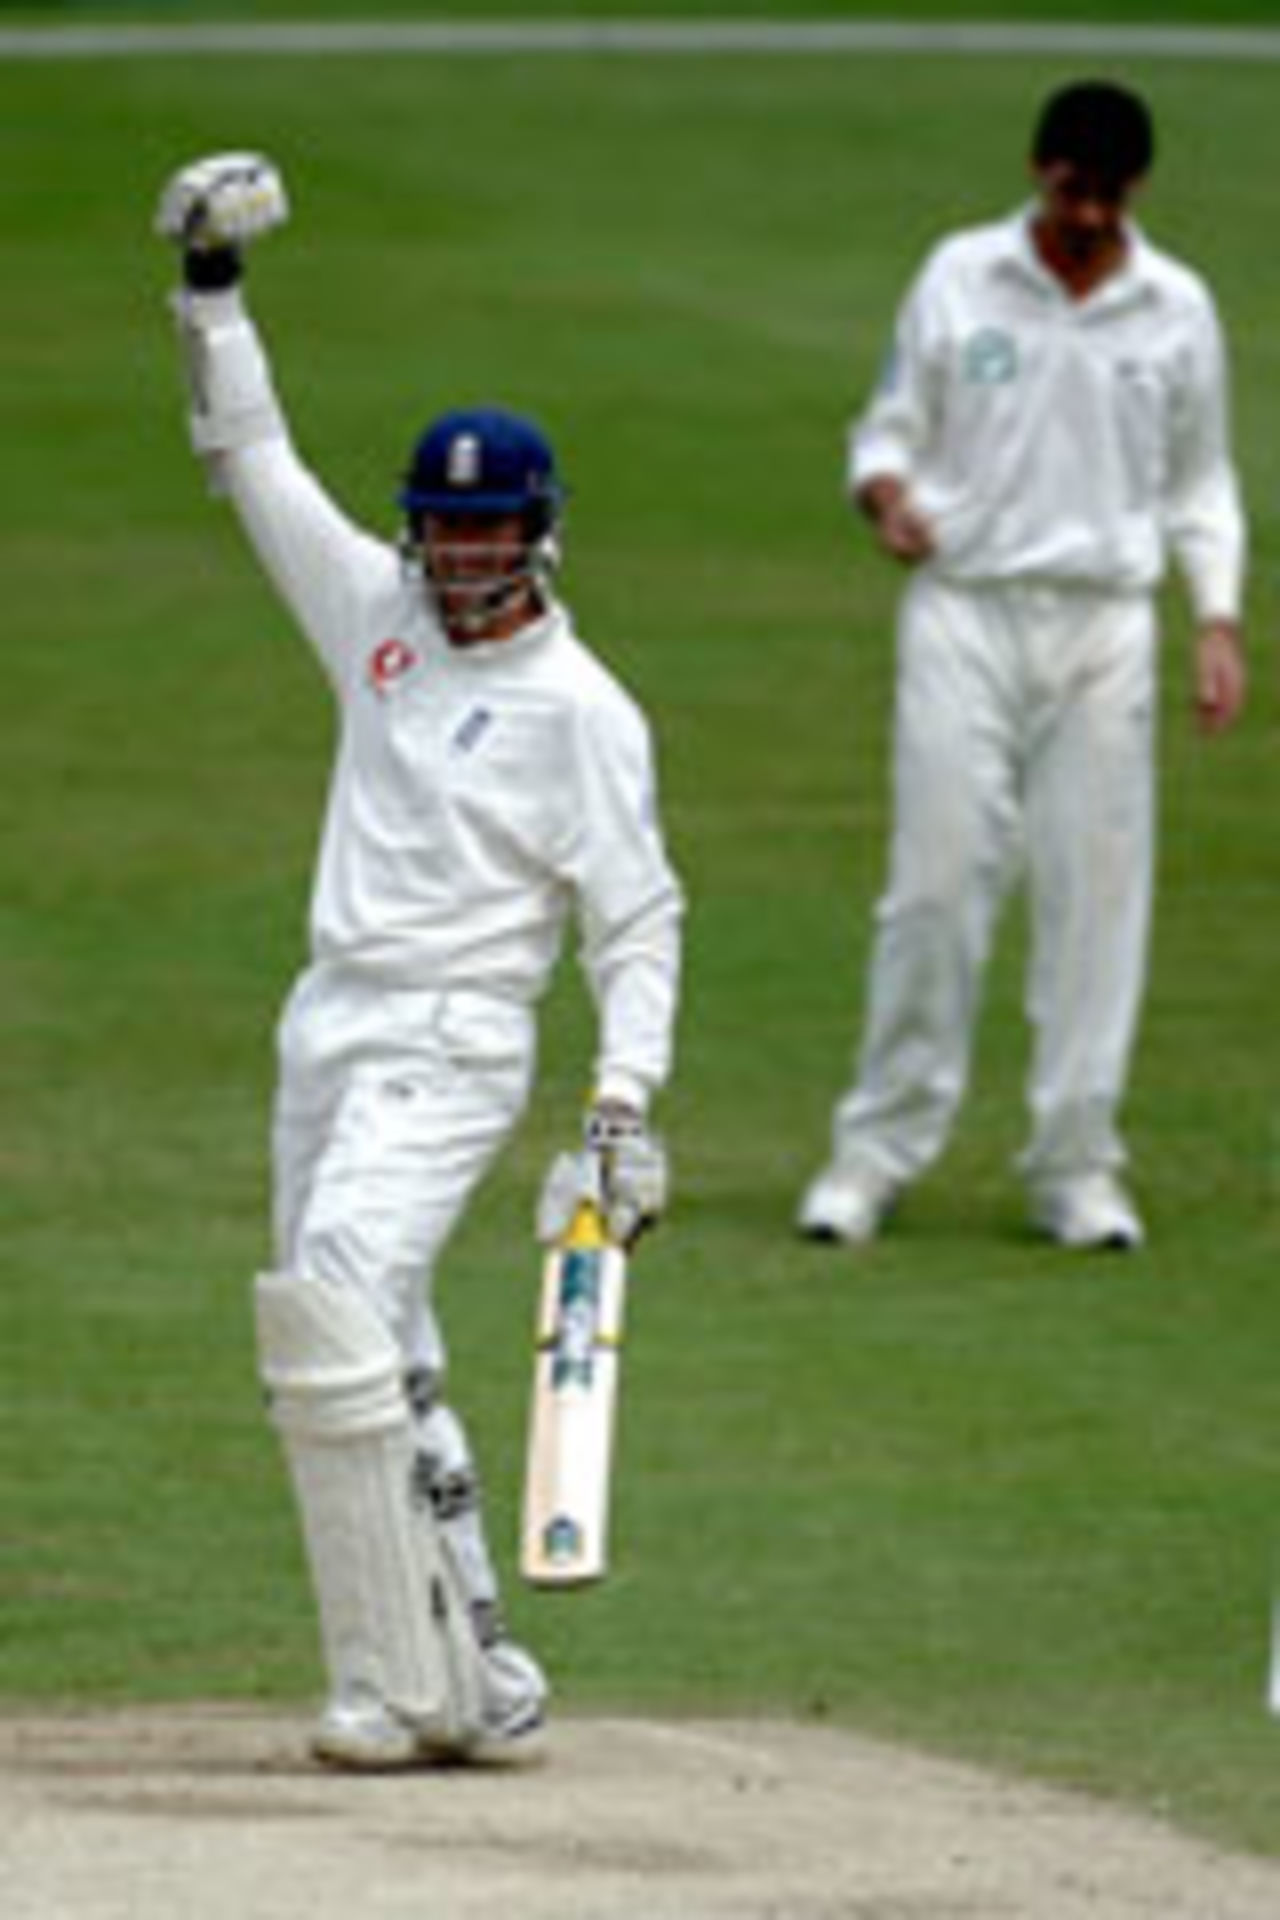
x=635, y=1175
x=225, y=200
x=213, y=208
x=903, y=533
x=1220, y=677
x=622, y=1168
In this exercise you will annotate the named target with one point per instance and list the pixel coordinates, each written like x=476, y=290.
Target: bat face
x=564, y=1537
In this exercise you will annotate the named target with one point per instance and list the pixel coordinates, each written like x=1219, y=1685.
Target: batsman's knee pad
x=394, y=1624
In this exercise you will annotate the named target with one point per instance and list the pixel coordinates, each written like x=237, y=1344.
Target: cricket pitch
x=204, y=1813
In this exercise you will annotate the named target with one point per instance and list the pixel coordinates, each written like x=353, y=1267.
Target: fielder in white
x=1051, y=427
x=492, y=781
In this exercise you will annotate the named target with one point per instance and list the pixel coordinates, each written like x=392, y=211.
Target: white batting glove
x=223, y=201
x=623, y=1169
x=571, y=1181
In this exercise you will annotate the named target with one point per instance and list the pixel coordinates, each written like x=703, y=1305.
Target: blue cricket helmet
x=484, y=460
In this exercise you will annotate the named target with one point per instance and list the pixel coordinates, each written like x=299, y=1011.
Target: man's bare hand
x=903, y=532
x=1220, y=678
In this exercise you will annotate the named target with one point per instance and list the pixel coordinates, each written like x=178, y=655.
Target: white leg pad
x=395, y=1627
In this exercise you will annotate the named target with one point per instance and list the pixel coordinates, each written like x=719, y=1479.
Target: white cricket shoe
x=364, y=1735
x=1090, y=1212
x=513, y=1694
x=847, y=1202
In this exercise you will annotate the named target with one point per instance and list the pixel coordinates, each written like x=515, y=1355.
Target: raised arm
x=211, y=211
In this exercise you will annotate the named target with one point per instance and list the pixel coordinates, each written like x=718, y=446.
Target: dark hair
x=1100, y=127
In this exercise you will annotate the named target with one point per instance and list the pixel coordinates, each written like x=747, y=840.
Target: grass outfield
x=965, y=1491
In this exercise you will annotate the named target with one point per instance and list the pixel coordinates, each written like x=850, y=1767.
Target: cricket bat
x=564, y=1532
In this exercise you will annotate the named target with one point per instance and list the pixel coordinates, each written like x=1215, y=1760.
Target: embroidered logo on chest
x=990, y=358
x=388, y=663
x=471, y=729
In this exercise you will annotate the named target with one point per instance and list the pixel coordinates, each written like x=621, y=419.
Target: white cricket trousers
x=391, y=1104
x=1023, y=746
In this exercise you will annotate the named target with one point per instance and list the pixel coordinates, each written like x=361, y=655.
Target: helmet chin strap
x=470, y=608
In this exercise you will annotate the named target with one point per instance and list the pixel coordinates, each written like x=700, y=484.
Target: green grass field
x=966, y=1491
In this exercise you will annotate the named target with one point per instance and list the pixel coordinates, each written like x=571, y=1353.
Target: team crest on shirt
x=990, y=357
x=388, y=663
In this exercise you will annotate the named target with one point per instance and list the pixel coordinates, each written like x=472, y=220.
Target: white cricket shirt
x=479, y=794
x=1059, y=440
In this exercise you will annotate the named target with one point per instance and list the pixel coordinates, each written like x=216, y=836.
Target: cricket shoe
x=847, y=1203
x=1092, y=1212
x=513, y=1696
x=364, y=1735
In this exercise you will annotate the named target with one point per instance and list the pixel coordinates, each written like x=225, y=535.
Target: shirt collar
x=482, y=654
x=1133, y=280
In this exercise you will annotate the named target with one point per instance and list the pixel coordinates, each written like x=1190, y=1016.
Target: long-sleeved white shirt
x=1059, y=440
x=480, y=795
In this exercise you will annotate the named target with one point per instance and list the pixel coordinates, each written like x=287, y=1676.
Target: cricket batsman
x=492, y=781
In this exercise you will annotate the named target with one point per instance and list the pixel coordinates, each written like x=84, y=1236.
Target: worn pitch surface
x=205, y=1812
